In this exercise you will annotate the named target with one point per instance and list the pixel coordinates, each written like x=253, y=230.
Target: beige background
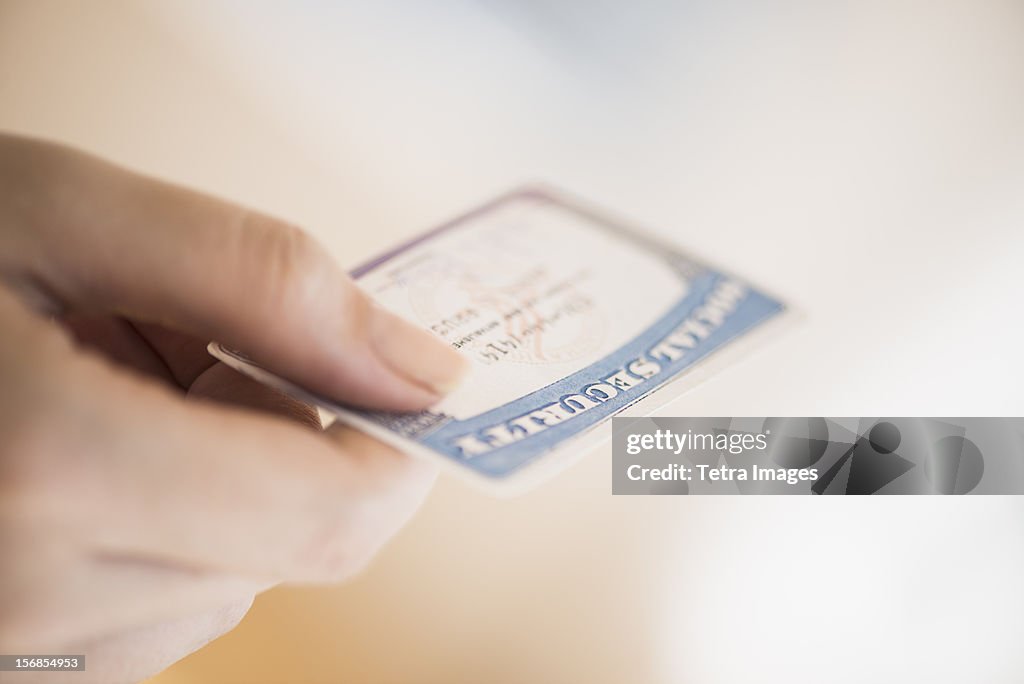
x=862, y=159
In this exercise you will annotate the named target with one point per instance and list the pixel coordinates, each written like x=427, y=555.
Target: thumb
x=90, y=235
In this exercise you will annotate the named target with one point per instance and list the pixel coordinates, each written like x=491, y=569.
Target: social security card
x=568, y=318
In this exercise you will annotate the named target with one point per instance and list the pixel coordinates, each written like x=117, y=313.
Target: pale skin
x=148, y=492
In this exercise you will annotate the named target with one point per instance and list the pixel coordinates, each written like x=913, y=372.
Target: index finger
x=146, y=473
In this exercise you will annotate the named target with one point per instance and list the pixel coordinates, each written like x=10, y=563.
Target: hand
x=144, y=502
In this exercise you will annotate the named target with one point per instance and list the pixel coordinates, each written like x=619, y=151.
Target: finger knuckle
x=338, y=550
x=292, y=269
x=348, y=540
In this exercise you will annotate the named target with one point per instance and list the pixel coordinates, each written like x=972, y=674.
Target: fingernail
x=416, y=353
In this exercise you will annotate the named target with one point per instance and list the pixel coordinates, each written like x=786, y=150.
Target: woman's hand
x=136, y=523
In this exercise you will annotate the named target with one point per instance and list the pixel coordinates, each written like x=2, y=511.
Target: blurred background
x=863, y=159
